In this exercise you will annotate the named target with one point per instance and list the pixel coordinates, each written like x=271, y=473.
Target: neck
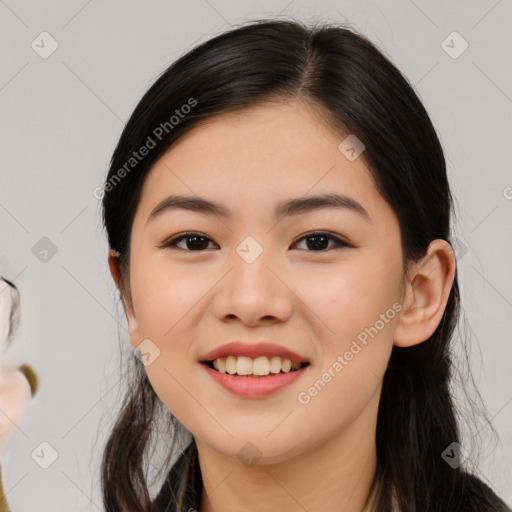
x=334, y=475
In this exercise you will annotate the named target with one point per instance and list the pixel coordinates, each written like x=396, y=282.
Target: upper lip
x=253, y=350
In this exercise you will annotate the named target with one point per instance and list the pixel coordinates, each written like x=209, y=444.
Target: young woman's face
x=256, y=277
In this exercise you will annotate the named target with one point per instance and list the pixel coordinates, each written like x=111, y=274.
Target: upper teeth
x=262, y=365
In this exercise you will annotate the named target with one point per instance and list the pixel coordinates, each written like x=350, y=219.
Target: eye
x=195, y=241
x=319, y=239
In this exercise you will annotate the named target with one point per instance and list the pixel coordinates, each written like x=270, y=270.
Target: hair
x=356, y=89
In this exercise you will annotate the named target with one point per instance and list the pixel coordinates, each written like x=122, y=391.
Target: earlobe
x=426, y=295
x=133, y=328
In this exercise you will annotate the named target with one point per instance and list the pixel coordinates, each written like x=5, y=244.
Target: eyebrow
x=286, y=208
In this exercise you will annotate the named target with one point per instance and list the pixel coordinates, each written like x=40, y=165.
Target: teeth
x=231, y=365
x=275, y=364
x=244, y=365
x=262, y=365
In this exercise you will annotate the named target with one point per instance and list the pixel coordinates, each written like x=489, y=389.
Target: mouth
x=254, y=379
x=259, y=367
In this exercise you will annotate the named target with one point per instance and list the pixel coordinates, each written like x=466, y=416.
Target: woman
x=278, y=217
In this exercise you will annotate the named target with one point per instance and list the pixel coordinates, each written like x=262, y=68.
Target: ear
x=426, y=295
x=113, y=263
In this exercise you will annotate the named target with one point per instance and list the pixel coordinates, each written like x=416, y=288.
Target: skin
x=316, y=456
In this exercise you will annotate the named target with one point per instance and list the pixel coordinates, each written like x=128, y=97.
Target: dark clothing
x=476, y=491
x=163, y=502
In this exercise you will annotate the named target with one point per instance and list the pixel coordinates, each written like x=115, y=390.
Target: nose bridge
x=251, y=260
x=252, y=289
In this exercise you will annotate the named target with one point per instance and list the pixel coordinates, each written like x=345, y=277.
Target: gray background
x=60, y=120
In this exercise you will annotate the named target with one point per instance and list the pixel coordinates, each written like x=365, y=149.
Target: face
x=252, y=277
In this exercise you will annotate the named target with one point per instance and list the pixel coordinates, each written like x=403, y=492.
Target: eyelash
x=339, y=243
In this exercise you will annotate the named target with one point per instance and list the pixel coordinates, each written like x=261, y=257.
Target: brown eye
x=193, y=241
x=315, y=242
x=319, y=241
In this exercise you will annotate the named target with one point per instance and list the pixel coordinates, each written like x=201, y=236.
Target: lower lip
x=254, y=387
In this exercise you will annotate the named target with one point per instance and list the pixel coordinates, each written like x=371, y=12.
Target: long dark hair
x=359, y=91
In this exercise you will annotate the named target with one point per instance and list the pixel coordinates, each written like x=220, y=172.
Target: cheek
x=163, y=303
x=345, y=300
x=354, y=319
x=174, y=390
x=163, y=296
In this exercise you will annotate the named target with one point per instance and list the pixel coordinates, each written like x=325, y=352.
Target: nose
x=254, y=291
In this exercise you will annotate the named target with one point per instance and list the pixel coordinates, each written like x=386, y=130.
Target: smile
x=259, y=366
x=248, y=384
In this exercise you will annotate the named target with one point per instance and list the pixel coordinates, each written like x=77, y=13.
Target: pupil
x=195, y=245
x=317, y=245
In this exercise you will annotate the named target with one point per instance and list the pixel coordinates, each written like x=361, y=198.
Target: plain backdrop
x=60, y=119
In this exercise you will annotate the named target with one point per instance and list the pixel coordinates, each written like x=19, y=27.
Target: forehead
x=253, y=158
